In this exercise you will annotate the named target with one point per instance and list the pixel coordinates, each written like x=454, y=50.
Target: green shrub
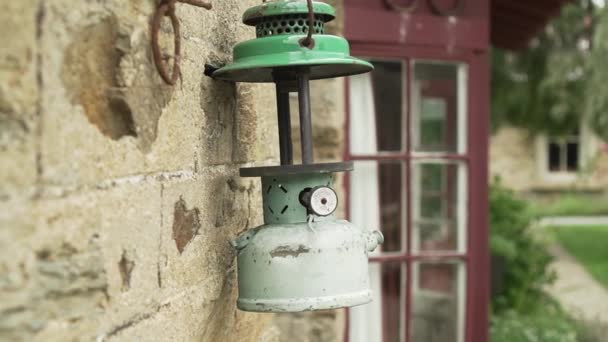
x=526, y=260
x=543, y=326
x=521, y=311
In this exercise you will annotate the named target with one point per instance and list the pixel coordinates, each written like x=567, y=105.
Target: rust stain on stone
x=89, y=72
x=186, y=224
x=125, y=266
x=289, y=251
x=111, y=75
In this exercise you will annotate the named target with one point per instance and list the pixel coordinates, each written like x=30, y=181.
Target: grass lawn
x=589, y=245
x=571, y=205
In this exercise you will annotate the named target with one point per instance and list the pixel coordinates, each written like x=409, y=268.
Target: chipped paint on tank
x=289, y=251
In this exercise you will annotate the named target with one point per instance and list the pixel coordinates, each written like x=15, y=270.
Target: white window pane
x=438, y=307
x=365, y=321
x=377, y=201
x=376, y=109
x=362, y=115
x=439, y=195
x=383, y=318
x=439, y=107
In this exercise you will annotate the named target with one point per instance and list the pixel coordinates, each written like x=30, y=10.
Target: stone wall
x=512, y=158
x=119, y=194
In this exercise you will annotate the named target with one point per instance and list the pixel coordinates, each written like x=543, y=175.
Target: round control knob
x=323, y=201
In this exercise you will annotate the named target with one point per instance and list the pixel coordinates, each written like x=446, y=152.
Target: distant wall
x=515, y=157
x=512, y=158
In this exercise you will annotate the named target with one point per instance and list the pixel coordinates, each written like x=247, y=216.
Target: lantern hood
x=277, y=53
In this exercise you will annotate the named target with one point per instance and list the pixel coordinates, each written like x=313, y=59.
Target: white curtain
x=365, y=322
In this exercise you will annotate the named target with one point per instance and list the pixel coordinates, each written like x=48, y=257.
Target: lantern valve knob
x=320, y=201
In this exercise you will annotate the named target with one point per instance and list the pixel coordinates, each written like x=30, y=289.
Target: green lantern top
x=277, y=52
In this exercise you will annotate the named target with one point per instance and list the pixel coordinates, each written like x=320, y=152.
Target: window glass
x=376, y=109
x=438, y=302
x=383, y=318
x=555, y=157
x=439, y=207
x=573, y=156
x=433, y=130
x=437, y=188
x=438, y=107
x=392, y=301
x=563, y=154
x=377, y=200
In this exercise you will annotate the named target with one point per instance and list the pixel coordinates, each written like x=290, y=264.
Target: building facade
x=546, y=166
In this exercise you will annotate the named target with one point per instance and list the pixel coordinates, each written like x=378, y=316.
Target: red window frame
x=476, y=257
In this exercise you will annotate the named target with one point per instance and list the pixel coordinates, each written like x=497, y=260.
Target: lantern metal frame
x=283, y=264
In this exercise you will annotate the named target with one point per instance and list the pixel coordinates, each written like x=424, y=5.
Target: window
x=408, y=142
x=559, y=159
x=563, y=154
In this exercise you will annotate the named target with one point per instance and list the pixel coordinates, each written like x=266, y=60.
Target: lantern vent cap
x=255, y=14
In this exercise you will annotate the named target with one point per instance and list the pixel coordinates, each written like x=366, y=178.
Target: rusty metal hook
x=166, y=8
x=309, y=42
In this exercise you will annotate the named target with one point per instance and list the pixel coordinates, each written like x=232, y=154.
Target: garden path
x=575, y=289
x=557, y=221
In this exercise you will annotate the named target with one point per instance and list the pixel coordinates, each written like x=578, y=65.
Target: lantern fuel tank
x=302, y=258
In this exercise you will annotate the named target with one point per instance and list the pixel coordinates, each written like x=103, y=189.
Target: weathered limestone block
x=104, y=107
x=105, y=264
x=53, y=283
x=512, y=158
x=601, y=167
x=238, y=129
x=18, y=88
x=118, y=193
x=130, y=238
x=217, y=208
x=18, y=98
x=195, y=267
x=336, y=26
x=319, y=326
x=110, y=114
x=328, y=119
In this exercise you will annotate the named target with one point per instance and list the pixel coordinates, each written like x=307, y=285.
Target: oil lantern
x=302, y=258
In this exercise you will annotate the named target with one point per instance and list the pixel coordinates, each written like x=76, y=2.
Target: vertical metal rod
x=284, y=118
x=305, y=117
